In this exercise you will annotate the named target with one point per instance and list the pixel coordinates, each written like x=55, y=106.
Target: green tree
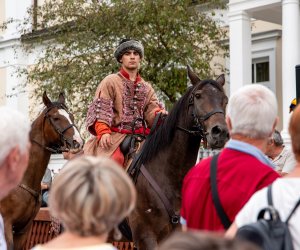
x=79, y=38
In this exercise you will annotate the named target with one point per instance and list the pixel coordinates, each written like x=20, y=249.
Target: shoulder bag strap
x=269, y=194
x=215, y=196
x=294, y=209
x=270, y=203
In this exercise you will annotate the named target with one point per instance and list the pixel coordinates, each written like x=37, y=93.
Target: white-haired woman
x=90, y=196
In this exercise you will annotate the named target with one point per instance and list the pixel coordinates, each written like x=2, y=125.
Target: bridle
x=198, y=121
x=61, y=132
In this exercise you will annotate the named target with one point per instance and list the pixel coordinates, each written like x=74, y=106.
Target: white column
x=290, y=57
x=240, y=49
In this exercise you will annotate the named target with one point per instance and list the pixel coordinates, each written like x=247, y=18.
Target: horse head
x=207, y=106
x=59, y=129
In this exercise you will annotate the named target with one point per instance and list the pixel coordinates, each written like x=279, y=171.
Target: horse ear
x=193, y=77
x=61, y=98
x=46, y=100
x=221, y=80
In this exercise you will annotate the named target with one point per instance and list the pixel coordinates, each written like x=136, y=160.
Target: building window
x=260, y=70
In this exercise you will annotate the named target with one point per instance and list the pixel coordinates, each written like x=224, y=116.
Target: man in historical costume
x=120, y=99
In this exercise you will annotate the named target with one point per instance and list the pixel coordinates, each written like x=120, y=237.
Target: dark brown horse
x=170, y=152
x=52, y=131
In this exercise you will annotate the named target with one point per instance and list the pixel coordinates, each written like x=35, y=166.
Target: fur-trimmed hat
x=128, y=44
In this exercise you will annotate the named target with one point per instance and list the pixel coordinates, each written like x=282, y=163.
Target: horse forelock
x=165, y=133
x=213, y=83
x=57, y=105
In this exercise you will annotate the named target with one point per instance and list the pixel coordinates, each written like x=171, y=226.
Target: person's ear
x=228, y=122
x=274, y=126
x=13, y=158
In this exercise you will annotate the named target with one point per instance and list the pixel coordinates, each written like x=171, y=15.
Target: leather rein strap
x=174, y=218
x=35, y=194
x=137, y=166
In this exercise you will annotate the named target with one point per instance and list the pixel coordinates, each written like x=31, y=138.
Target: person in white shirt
x=281, y=156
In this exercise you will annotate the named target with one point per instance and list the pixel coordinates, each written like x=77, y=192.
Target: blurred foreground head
x=294, y=129
x=91, y=196
x=193, y=240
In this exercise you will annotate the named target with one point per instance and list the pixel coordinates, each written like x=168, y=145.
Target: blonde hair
x=91, y=196
x=294, y=130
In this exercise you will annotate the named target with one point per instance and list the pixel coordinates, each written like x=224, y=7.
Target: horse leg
x=148, y=242
x=8, y=235
x=143, y=237
x=21, y=237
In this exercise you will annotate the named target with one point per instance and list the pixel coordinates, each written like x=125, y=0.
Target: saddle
x=133, y=167
x=132, y=142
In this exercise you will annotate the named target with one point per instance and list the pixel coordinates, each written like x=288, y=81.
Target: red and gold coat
x=117, y=103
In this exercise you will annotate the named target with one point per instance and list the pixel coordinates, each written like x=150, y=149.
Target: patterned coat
x=118, y=102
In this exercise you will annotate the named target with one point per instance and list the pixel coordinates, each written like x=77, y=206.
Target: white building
x=266, y=49
x=12, y=91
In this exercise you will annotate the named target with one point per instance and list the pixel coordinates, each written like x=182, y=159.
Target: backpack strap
x=214, y=190
x=294, y=209
x=270, y=203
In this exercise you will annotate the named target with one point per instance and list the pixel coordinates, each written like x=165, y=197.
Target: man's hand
x=105, y=141
x=164, y=112
x=44, y=186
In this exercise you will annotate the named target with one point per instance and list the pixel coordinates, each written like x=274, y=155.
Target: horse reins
x=60, y=132
x=199, y=124
x=38, y=199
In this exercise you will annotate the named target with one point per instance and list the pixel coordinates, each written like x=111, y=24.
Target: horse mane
x=164, y=134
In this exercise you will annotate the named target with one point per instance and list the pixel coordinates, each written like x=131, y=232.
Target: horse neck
x=39, y=157
x=175, y=161
x=187, y=147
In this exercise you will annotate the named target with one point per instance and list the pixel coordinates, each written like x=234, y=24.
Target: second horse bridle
x=61, y=132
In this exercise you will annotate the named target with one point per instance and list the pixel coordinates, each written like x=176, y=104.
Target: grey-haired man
x=120, y=99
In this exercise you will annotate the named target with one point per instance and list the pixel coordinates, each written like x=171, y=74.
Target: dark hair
x=193, y=240
x=276, y=136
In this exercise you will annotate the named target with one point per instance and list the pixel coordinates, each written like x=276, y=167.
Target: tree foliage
x=79, y=38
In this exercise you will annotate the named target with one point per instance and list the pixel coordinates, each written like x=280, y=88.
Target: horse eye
x=197, y=95
x=56, y=119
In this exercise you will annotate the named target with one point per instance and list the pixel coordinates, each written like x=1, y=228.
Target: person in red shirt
x=120, y=99
x=242, y=167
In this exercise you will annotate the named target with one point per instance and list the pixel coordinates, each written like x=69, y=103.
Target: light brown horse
x=169, y=153
x=53, y=131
